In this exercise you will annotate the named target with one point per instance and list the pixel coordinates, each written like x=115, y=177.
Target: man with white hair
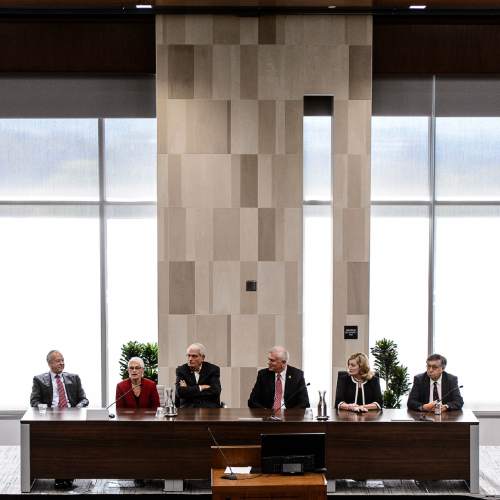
x=197, y=382
x=279, y=385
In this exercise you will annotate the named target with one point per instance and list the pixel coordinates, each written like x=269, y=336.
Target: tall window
x=318, y=260
x=78, y=252
x=436, y=224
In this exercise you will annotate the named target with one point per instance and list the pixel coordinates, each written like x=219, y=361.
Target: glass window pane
x=400, y=158
x=317, y=158
x=132, y=282
x=317, y=299
x=49, y=291
x=399, y=263
x=48, y=159
x=130, y=159
x=468, y=158
x=467, y=295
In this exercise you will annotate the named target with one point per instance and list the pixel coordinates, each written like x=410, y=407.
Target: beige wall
x=229, y=108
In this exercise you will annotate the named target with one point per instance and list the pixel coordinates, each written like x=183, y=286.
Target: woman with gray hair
x=137, y=391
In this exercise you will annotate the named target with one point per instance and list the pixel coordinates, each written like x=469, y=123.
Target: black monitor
x=293, y=453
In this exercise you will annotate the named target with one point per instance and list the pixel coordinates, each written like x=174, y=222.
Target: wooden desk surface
x=278, y=480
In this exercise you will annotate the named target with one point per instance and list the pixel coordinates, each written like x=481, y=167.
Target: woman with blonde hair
x=358, y=389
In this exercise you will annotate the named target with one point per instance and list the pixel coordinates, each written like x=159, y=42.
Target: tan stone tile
x=199, y=234
x=271, y=286
x=294, y=29
x=291, y=288
x=177, y=331
x=158, y=30
x=355, y=244
x=226, y=234
x=354, y=181
x=248, y=300
x=357, y=287
x=339, y=30
x=293, y=127
x=271, y=71
x=338, y=234
x=293, y=338
x=161, y=125
x=322, y=30
x=181, y=293
x=174, y=181
x=280, y=127
x=199, y=29
x=265, y=180
x=360, y=72
x=244, y=332
x=176, y=233
x=213, y=332
x=287, y=181
x=249, y=181
x=292, y=234
x=162, y=234
x=207, y=122
x=267, y=337
x=235, y=73
x=340, y=176
x=267, y=234
x=249, y=234
x=249, y=30
x=226, y=287
x=279, y=231
x=267, y=30
x=267, y=126
x=229, y=380
x=162, y=180
x=248, y=377
x=203, y=71
x=180, y=71
x=203, y=287
x=174, y=29
x=294, y=72
x=175, y=125
x=235, y=181
x=221, y=75
x=248, y=72
x=244, y=126
x=280, y=29
x=162, y=71
x=163, y=288
x=361, y=321
x=340, y=129
x=359, y=127
x=206, y=181
x=359, y=30
x=226, y=30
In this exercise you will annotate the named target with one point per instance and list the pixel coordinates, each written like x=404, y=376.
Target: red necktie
x=63, y=402
x=278, y=392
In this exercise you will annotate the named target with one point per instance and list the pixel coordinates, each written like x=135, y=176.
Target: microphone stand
x=112, y=415
x=232, y=476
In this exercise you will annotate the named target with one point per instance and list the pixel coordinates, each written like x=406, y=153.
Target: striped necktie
x=278, y=392
x=63, y=402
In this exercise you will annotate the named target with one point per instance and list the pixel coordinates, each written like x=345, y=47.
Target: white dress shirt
x=55, y=393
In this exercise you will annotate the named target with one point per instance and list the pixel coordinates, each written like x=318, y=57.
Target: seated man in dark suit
x=58, y=389
x=433, y=385
x=279, y=385
x=197, y=383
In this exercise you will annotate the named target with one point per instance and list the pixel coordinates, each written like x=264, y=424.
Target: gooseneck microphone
x=450, y=391
x=112, y=415
x=232, y=475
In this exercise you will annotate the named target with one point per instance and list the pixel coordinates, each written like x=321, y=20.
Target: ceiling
x=340, y=5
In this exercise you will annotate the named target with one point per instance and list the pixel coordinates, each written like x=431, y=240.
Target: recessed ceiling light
x=332, y=6
x=144, y=6
x=418, y=7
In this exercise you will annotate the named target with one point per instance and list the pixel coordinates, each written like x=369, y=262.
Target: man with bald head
x=197, y=382
x=279, y=385
x=57, y=388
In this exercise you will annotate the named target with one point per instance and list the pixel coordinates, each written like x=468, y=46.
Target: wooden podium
x=309, y=486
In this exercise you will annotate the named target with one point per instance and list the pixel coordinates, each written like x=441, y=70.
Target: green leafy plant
x=395, y=375
x=148, y=351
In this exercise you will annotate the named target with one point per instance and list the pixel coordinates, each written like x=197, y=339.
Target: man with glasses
x=435, y=385
x=197, y=382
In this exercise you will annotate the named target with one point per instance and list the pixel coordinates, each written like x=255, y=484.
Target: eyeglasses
x=132, y=368
x=433, y=367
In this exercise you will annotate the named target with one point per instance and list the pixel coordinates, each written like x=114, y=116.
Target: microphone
x=112, y=415
x=232, y=475
x=450, y=391
x=273, y=416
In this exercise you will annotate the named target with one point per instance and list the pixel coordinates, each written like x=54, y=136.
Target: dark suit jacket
x=191, y=396
x=148, y=399
x=346, y=390
x=420, y=391
x=296, y=396
x=42, y=390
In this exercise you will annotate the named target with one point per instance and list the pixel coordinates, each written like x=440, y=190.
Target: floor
x=489, y=481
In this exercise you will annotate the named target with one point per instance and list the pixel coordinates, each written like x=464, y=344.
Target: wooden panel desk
x=264, y=486
x=393, y=444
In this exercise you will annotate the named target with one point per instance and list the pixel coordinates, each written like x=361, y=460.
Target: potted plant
x=395, y=375
x=148, y=351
